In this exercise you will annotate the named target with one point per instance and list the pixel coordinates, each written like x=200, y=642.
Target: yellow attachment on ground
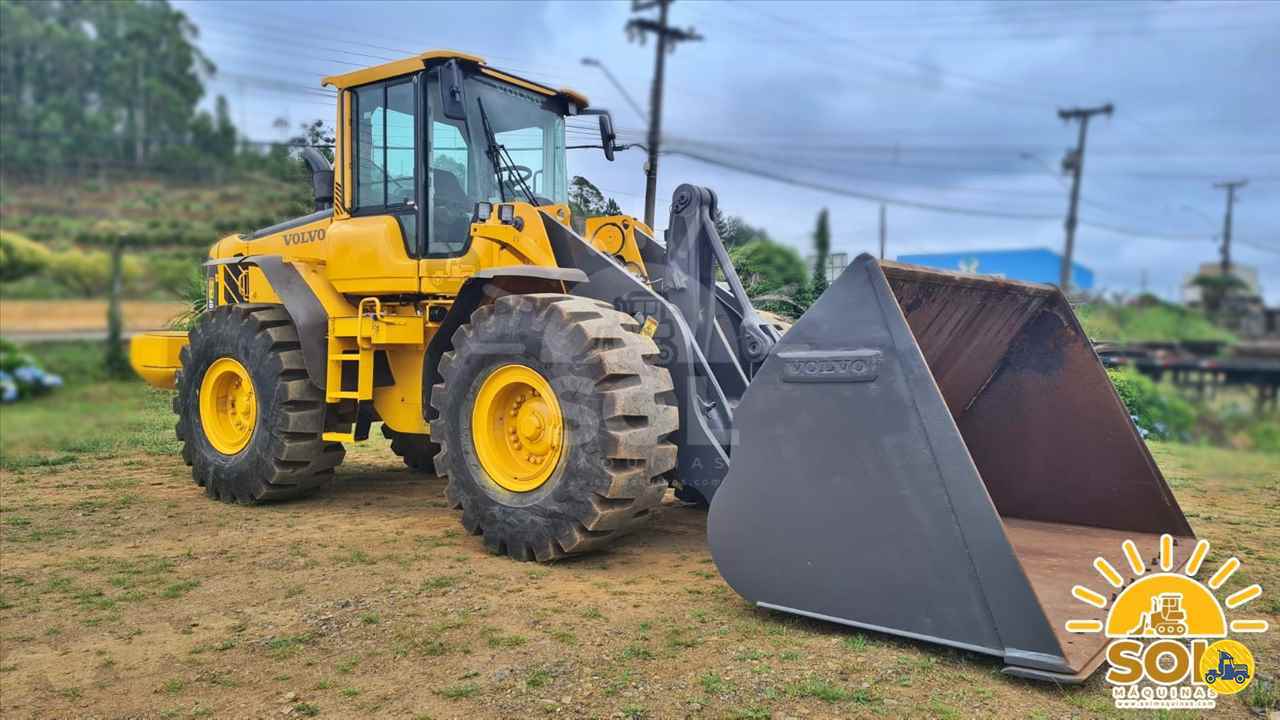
x=228, y=405
x=154, y=356
x=517, y=428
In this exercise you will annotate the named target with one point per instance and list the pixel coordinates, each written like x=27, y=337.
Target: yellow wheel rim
x=517, y=428
x=228, y=406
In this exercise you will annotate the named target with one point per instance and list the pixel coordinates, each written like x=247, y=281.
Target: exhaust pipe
x=321, y=177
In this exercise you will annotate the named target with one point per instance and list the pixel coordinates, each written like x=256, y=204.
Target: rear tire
x=618, y=409
x=285, y=456
x=417, y=451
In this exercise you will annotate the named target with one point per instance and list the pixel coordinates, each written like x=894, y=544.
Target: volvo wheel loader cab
x=923, y=453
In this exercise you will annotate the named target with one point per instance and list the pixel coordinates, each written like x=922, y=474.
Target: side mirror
x=607, y=136
x=453, y=101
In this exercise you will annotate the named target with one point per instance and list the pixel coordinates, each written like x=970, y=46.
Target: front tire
x=260, y=439
x=614, y=405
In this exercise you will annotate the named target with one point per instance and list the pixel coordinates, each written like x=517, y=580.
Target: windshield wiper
x=498, y=155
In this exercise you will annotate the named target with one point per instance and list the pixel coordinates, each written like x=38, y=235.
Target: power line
x=1258, y=246
x=836, y=190
x=927, y=206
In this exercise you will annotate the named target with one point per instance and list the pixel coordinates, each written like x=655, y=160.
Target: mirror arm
x=608, y=138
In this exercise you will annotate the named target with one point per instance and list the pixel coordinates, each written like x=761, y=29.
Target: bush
x=21, y=377
x=87, y=273
x=1149, y=321
x=774, y=276
x=20, y=257
x=1265, y=436
x=173, y=274
x=1157, y=411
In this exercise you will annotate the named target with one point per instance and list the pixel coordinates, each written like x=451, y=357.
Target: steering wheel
x=516, y=173
x=400, y=184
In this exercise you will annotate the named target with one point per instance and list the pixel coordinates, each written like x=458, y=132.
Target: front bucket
x=938, y=456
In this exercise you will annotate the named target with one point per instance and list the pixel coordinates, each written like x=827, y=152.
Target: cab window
x=384, y=158
x=529, y=126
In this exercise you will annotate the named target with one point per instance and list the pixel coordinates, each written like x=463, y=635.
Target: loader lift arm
x=695, y=253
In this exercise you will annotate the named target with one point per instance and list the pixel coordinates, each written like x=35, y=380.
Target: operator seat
x=450, y=213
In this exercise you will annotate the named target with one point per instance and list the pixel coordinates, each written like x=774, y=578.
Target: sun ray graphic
x=1134, y=557
x=1224, y=573
x=1197, y=558
x=1108, y=572
x=1165, y=602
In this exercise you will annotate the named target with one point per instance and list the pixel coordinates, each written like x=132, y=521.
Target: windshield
x=525, y=123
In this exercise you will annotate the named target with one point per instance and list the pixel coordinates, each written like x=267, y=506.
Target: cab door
x=375, y=249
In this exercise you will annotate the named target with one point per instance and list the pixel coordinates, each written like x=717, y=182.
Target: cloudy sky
x=789, y=107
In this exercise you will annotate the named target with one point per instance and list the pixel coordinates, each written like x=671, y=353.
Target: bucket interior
x=1053, y=443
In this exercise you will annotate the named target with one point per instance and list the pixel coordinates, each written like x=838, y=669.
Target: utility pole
x=668, y=38
x=1074, y=162
x=883, y=230
x=1231, y=187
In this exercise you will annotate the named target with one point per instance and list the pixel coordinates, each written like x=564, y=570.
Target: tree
x=1215, y=290
x=92, y=84
x=773, y=276
x=585, y=199
x=20, y=257
x=734, y=231
x=821, y=250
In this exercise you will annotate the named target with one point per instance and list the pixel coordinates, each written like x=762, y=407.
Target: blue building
x=1032, y=264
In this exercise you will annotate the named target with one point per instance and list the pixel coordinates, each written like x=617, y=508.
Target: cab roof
x=414, y=63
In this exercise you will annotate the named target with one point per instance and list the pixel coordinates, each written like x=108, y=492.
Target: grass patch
x=497, y=639
x=856, y=643
x=713, y=684
x=564, y=636
x=459, y=691
x=178, y=589
x=439, y=582
x=537, y=679
x=827, y=692
x=636, y=652
x=100, y=420
x=287, y=645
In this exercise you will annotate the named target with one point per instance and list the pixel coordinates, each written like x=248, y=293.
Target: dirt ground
x=127, y=593
x=30, y=317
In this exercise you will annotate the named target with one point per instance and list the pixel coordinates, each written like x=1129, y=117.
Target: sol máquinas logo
x=1169, y=646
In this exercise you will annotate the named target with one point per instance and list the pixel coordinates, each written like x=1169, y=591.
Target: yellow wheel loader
x=935, y=455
